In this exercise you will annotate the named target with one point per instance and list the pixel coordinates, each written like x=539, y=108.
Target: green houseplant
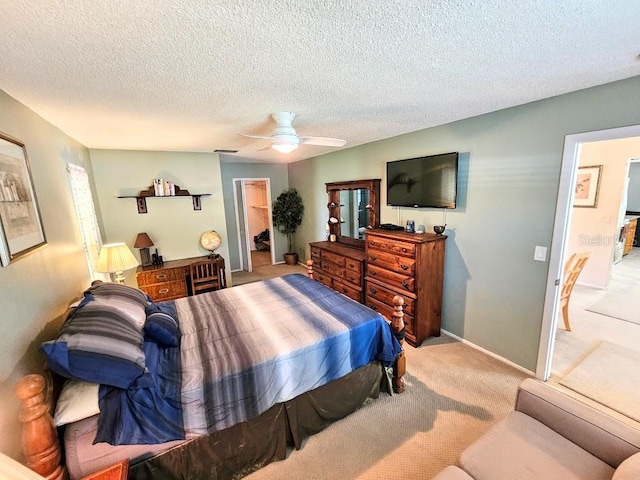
x=287, y=214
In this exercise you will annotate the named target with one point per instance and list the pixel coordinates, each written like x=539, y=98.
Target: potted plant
x=287, y=214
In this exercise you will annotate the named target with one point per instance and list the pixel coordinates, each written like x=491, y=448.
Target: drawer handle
x=373, y=307
x=373, y=258
x=163, y=290
x=373, y=291
x=404, y=267
x=404, y=250
x=162, y=276
x=344, y=290
x=405, y=284
x=373, y=273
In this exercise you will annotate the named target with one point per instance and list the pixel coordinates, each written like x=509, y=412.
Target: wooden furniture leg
x=310, y=269
x=39, y=435
x=397, y=325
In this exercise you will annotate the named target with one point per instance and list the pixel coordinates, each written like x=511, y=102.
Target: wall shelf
x=141, y=198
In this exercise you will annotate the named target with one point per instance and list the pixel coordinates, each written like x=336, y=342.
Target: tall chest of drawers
x=410, y=265
x=339, y=267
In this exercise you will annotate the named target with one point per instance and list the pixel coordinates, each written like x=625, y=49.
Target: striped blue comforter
x=242, y=350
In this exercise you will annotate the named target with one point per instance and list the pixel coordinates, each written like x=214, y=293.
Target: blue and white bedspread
x=242, y=350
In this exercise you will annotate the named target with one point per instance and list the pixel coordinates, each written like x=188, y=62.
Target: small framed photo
x=20, y=224
x=587, y=186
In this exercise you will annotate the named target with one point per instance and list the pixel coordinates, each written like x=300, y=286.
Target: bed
x=217, y=384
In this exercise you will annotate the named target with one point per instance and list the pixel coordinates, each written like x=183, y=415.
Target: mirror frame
x=333, y=192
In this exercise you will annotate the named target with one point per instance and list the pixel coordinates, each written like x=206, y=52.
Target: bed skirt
x=248, y=446
x=264, y=439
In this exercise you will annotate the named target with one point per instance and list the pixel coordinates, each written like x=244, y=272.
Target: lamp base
x=145, y=257
x=120, y=277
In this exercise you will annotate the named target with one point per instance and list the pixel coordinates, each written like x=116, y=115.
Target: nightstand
x=117, y=471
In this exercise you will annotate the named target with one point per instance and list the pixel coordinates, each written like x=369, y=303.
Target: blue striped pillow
x=101, y=341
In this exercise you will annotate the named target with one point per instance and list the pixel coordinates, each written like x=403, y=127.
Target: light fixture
x=284, y=147
x=143, y=242
x=116, y=258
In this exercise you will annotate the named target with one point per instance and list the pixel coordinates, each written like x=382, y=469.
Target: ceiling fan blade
x=323, y=141
x=261, y=137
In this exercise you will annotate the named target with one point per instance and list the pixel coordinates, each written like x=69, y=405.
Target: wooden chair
x=207, y=275
x=572, y=270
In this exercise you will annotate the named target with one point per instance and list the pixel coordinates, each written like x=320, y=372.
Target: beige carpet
x=610, y=376
x=454, y=394
x=623, y=304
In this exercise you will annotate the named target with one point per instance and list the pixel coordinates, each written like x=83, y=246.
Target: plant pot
x=291, y=258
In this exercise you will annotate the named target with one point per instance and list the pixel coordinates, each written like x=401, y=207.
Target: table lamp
x=116, y=258
x=143, y=242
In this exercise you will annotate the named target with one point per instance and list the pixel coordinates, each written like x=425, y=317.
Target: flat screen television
x=423, y=182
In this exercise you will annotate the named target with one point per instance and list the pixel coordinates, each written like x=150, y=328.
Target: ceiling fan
x=284, y=138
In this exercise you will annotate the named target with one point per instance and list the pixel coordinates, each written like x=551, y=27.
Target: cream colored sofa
x=551, y=436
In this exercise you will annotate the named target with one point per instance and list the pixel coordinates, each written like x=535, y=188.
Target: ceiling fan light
x=284, y=147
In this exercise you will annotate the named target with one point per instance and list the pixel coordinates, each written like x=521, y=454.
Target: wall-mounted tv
x=423, y=182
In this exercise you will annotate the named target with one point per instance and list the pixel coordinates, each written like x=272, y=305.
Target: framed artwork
x=587, y=186
x=20, y=224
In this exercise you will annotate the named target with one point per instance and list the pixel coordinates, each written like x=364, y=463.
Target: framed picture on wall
x=587, y=186
x=20, y=224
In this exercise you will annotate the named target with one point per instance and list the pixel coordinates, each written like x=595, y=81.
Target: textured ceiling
x=189, y=75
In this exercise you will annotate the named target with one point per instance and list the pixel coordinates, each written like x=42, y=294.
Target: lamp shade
x=116, y=258
x=143, y=241
x=284, y=147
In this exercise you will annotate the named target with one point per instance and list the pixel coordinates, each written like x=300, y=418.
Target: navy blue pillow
x=100, y=342
x=161, y=325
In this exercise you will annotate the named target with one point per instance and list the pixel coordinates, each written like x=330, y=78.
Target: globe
x=210, y=241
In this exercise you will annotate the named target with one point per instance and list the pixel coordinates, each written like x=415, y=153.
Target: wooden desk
x=117, y=471
x=170, y=280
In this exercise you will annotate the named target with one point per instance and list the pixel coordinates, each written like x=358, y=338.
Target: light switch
x=540, y=254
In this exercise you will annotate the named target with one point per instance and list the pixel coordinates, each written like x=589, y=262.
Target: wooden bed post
x=397, y=325
x=39, y=435
x=310, y=269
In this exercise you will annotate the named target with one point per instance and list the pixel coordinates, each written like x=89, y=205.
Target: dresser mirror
x=353, y=207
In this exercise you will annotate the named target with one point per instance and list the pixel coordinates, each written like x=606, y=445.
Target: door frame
x=246, y=255
x=568, y=172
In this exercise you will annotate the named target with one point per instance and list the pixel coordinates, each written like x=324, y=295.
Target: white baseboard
x=491, y=354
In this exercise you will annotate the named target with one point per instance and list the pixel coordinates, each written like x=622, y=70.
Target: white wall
x=36, y=289
x=171, y=223
x=596, y=230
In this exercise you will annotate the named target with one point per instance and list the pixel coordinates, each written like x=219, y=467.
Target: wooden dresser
x=170, y=280
x=410, y=265
x=340, y=267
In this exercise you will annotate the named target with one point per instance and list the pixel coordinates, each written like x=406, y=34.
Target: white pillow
x=78, y=400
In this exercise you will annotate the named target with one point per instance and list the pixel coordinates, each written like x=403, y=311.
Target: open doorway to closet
x=253, y=216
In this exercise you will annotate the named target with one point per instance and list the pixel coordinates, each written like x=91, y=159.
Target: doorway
x=252, y=198
x=568, y=175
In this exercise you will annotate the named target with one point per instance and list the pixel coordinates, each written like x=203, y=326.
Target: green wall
x=36, y=289
x=172, y=223
x=508, y=183
x=278, y=180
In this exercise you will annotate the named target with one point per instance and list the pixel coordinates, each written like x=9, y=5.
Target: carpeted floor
x=454, y=394
x=610, y=376
x=623, y=304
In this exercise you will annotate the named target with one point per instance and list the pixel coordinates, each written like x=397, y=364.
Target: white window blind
x=86, y=213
